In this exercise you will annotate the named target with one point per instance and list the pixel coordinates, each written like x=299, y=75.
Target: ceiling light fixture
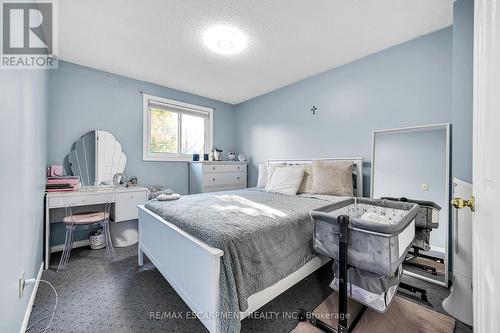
x=225, y=40
x=225, y=44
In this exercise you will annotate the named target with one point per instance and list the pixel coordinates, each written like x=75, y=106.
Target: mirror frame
x=447, y=208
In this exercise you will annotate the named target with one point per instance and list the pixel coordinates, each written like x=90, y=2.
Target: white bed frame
x=192, y=267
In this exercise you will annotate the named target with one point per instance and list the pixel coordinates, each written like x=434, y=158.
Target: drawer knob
x=238, y=168
x=238, y=177
x=213, y=179
x=131, y=196
x=213, y=168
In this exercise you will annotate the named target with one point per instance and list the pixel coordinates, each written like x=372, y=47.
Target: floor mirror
x=414, y=163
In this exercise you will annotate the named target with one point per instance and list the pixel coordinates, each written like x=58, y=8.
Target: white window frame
x=176, y=106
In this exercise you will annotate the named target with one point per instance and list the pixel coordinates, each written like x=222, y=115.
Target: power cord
x=39, y=321
x=53, y=312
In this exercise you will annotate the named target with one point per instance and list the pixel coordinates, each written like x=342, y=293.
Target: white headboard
x=357, y=162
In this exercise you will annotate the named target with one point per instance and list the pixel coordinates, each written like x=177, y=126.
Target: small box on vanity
x=212, y=176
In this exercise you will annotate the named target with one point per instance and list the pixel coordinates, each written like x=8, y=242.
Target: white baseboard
x=81, y=243
x=27, y=314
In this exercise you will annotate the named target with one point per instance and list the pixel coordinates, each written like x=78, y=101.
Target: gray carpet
x=402, y=316
x=101, y=296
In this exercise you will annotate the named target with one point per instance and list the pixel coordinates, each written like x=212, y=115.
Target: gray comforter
x=265, y=237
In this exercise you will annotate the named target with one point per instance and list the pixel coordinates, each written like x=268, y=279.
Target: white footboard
x=190, y=266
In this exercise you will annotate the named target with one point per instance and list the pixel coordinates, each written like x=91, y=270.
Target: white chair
x=83, y=221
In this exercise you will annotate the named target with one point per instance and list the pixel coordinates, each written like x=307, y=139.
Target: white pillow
x=262, y=179
x=271, y=167
x=286, y=180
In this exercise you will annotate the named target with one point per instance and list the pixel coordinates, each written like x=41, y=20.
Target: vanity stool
x=73, y=221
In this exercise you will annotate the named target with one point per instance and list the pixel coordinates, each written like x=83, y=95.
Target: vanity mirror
x=97, y=157
x=414, y=163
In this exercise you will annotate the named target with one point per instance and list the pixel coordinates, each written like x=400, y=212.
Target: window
x=174, y=131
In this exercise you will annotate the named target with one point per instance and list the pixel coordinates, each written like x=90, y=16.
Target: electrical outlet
x=22, y=284
x=424, y=187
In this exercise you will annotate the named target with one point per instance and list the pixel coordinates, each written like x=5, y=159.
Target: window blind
x=178, y=108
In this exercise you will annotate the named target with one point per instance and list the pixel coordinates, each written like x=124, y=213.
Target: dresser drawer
x=79, y=200
x=231, y=178
x=126, y=205
x=222, y=188
x=209, y=168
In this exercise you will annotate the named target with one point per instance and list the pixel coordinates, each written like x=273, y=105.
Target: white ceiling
x=161, y=41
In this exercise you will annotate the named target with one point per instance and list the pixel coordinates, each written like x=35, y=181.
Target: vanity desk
x=124, y=202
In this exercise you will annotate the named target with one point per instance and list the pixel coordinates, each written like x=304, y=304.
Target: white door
x=486, y=166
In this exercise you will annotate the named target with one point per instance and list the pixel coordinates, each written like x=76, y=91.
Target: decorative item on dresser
x=212, y=176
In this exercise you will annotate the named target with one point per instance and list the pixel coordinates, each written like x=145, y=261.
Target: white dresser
x=212, y=176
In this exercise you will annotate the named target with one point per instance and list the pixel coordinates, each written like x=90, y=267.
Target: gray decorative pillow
x=332, y=177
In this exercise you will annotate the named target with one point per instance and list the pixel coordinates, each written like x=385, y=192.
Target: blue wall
x=462, y=65
x=84, y=99
x=23, y=147
x=405, y=85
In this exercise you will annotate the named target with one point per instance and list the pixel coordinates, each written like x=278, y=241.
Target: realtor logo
x=28, y=35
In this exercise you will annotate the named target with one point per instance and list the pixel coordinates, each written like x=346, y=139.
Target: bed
x=224, y=252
